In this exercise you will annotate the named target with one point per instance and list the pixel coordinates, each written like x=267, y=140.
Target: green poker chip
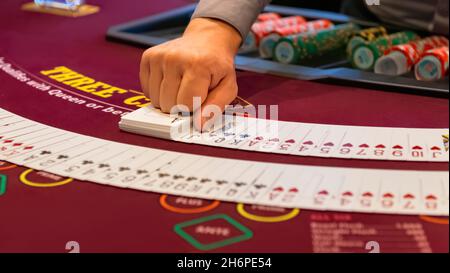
x=3, y=182
x=294, y=49
x=365, y=55
x=286, y=51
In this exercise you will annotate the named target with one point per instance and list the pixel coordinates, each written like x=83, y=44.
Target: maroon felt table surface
x=99, y=218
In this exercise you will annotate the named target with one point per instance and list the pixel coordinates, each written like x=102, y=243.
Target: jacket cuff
x=238, y=13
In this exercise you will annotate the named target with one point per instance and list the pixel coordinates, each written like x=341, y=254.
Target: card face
x=264, y=131
x=445, y=184
x=45, y=148
x=333, y=139
x=418, y=145
x=219, y=179
x=183, y=179
x=346, y=198
x=240, y=185
x=166, y=177
x=123, y=173
x=399, y=145
x=328, y=189
x=437, y=145
x=366, y=144
x=389, y=197
x=145, y=172
x=212, y=184
x=108, y=171
x=293, y=140
x=18, y=129
x=312, y=140
x=368, y=192
x=379, y=148
x=100, y=164
x=67, y=153
x=349, y=143
x=433, y=194
x=271, y=143
x=261, y=185
x=286, y=188
x=27, y=142
x=53, y=138
x=410, y=194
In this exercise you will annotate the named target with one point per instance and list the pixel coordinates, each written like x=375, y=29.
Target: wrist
x=215, y=31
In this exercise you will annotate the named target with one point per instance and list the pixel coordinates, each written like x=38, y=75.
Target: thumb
x=219, y=97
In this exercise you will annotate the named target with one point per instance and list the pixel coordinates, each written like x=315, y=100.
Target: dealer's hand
x=199, y=64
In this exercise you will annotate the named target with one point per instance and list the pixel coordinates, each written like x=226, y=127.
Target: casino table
x=42, y=212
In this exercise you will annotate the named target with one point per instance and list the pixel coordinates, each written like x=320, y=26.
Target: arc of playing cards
x=41, y=147
x=301, y=139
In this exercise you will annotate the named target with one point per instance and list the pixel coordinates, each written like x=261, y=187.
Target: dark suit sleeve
x=239, y=13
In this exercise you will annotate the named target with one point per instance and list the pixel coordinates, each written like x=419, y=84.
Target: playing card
x=28, y=142
x=389, y=194
x=108, y=171
x=433, y=193
x=141, y=172
x=286, y=188
x=312, y=140
x=45, y=148
x=67, y=153
x=195, y=175
x=399, y=145
x=313, y=178
x=77, y=164
x=271, y=144
x=410, y=193
x=260, y=186
x=249, y=177
x=418, y=145
x=212, y=184
x=366, y=144
x=166, y=178
x=368, y=192
x=346, y=198
x=437, y=145
x=349, y=143
x=331, y=141
x=288, y=144
x=99, y=164
x=379, y=148
x=328, y=189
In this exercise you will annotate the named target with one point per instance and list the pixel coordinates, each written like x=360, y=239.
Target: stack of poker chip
x=296, y=48
x=365, y=36
x=268, y=16
x=365, y=55
x=401, y=59
x=267, y=43
x=260, y=29
x=433, y=65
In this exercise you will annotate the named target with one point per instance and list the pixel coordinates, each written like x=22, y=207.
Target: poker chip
x=433, y=65
x=295, y=48
x=363, y=36
x=401, y=59
x=267, y=43
x=365, y=55
x=261, y=29
x=268, y=16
